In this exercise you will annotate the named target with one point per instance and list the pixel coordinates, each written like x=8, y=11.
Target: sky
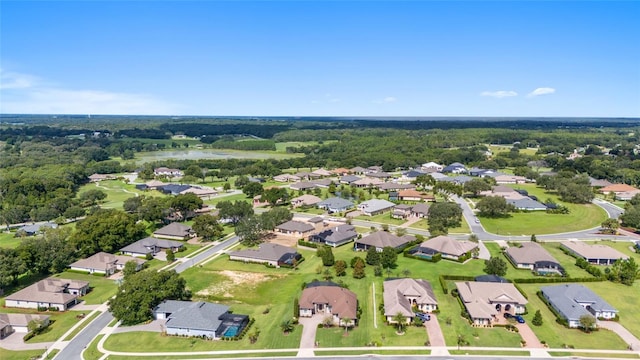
x=331, y=58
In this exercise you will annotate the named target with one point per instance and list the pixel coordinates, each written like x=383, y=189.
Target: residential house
x=455, y=168
x=598, y=183
x=151, y=245
x=267, y=253
x=486, y=302
x=527, y=204
x=201, y=192
x=392, y=186
x=374, y=169
x=432, y=167
x=627, y=195
x=380, y=175
x=163, y=171
x=322, y=172
x=173, y=189
x=50, y=293
x=375, y=206
x=335, y=236
x=335, y=204
x=411, y=175
x=401, y=295
x=532, y=256
x=401, y=211
x=104, y=263
x=479, y=172
x=439, y=176
x=447, y=247
x=420, y=210
x=414, y=195
x=303, y=186
x=349, y=179
x=380, y=240
x=199, y=319
x=322, y=183
x=329, y=299
x=295, y=228
x=305, y=200
x=358, y=170
x=459, y=180
x=150, y=185
x=572, y=301
x=101, y=177
x=286, y=178
x=340, y=171
x=175, y=231
x=19, y=323
x=595, y=254
x=617, y=189
x=34, y=229
x=367, y=182
x=507, y=178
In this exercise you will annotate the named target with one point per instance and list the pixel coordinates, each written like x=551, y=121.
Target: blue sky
x=335, y=58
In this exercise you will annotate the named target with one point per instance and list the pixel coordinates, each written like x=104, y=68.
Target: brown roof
x=595, y=251
x=448, y=245
x=174, y=229
x=413, y=193
x=477, y=297
x=617, y=188
x=49, y=290
x=529, y=253
x=20, y=319
x=381, y=239
x=343, y=302
x=103, y=261
x=340, y=171
x=295, y=226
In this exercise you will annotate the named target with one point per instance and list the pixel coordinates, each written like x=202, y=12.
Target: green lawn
x=581, y=216
x=9, y=240
x=84, y=324
x=20, y=355
x=558, y=336
x=61, y=322
x=462, y=229
x=91, y=352
x=462, y=351
x=101, y=287
x=117, y=192
x=384, y=218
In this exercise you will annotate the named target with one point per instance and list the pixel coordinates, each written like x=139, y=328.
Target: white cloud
x=541, y=91
x=499, y=94
x=386, y=100
x=26, y=94
x=12, y=80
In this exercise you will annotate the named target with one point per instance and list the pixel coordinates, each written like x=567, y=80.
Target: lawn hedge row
x=308, y=244
x=443, y=280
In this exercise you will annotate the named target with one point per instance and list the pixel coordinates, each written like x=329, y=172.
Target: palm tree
x=400, y=321
x=286, y=326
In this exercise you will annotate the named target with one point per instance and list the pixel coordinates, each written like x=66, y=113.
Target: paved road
x=74, y=348
x=206, y=254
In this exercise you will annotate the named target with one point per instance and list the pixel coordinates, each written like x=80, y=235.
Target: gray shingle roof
x=448, y=245
x=526, y=204
x=295, y=226
x=381, y=239
x=337, y=234
x=335, y=203
x=195, y=315
x=567, y=298
x=375, y=205
x=174, y=229
x=266, y=251
x=144, y=246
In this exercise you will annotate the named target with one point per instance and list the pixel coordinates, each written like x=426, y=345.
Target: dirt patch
x=247, y=281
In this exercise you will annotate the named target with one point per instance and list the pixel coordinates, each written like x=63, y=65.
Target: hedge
x=546, y=280
x=443, y=283
x=559, y=319
x=307, y=244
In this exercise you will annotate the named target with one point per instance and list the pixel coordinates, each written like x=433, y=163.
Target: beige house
x=486, y=302
x=19, y=323
x=329, y=299
x=105, y=263
x=401, y=295
x=532, y=256
x=305, y=200
x=295, y=228
x=595, y=254
x=272, y=254
x=50, y=293
x=447, y=247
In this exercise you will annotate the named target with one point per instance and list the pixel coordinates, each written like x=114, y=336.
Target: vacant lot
x=581, y=217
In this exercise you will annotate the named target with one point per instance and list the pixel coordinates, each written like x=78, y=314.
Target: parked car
x=519, y=319
x=423, y=316
x=507, y=315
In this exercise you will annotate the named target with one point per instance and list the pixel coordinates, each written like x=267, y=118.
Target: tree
x=475, y=186
x=462, y=341
x=355, y=260
x=494, y=207
x=11, y=266
x=226, y=187
x=624, y=271
x=537, y=319
x=130, y=268
x=74, y=212
x=326, y=254
x=275, y=194
x=287, y=326
x=534, y=238
x=274, y=217
x=358, y=270
x=447, y=188
x=250, y=230
x=373, y=256
x=587, y=322
x=255, y=334
x=400, y=321
x=388, y=257
x=234, y=211
x=495, y=266
x=36, y=326
x=253, y=189
x=48, y=254
x=442, y=216
x=326, y=274
x=92, y=197
x=241, y=182
x=207, y=227
x=143, y=291
x=610, y=226
x=171, y=257
x=340, y=267
x=424, y=181
x=106, y=230
x=185, y=204
x=474, y=238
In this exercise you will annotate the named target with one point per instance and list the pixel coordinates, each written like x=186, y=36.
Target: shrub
x=308, y=244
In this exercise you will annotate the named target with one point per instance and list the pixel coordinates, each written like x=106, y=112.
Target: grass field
x=91, y=352
x=581, y=216
x=101, y=287
x=558, y=336
x=8, y=240
x=117, y=192
x=20, y=355
x=84, y=324
x=462, y=229
x=384, y=218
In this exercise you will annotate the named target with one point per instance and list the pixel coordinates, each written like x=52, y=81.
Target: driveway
x=529, y=336
x=154, y=326
x=483, y=252
x=628, y=337
x=14, y=342
x=434, y=331
x=308, y=339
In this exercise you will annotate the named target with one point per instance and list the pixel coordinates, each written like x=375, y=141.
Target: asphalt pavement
x=74, y=348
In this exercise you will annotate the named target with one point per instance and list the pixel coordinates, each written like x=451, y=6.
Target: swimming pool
x=231, y=331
